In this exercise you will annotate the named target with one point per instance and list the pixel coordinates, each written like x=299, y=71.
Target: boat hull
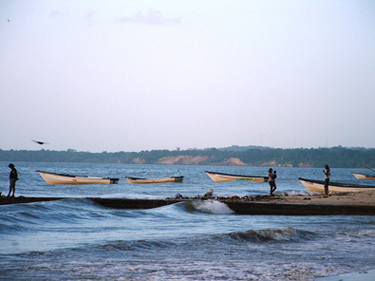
x=363, y=176
x=334, y=187
x=147, y=181
x=221, y=177
x=53, y=178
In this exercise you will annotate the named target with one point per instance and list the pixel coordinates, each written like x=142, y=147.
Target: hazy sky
x=141, y=75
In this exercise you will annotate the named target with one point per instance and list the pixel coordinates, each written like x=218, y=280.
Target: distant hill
x=338, y=157
x=242, y=148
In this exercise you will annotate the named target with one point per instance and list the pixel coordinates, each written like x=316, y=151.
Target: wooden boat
x=53, y=178
x=160, y=180
x=221, y=177
x=335, y=187
x=363, y=176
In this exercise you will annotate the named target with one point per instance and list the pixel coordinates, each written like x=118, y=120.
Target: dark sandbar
x=240, y=207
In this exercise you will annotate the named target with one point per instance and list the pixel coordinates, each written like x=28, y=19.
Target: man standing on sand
x=13, y=177
x=271, y=180
x=327, y=174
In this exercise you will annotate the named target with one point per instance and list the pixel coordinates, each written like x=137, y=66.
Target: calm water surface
x=75, y=239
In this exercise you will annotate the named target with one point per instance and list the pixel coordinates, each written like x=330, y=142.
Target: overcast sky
x=141, y=75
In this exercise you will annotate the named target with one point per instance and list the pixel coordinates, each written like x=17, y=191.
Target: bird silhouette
x=40, y=142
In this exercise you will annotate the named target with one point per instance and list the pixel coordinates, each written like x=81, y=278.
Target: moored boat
x=359, y=176
x=221, y=177
x=159, y=180
x=334, y=187
x=54, y=178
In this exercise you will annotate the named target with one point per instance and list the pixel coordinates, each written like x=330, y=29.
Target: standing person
x=13, y=177
x=271, y=180
x=327, y=174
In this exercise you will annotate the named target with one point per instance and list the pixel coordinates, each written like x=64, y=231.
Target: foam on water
x=212, y=207
x=363, y=233
x=71, y=266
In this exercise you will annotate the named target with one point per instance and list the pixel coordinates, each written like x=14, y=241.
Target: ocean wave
x=208, y=206
x=267, y=235
x=368, y=233
x=288, y=234
x=9, y=227
x=50, y=213
x=138, y=245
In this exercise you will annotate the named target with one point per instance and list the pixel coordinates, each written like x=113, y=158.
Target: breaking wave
x=286, y=234
x=208, y=206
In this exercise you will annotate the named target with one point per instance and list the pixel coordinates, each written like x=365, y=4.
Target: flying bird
x=40, y=142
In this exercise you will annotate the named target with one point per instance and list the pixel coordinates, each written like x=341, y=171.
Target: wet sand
x=366, y=198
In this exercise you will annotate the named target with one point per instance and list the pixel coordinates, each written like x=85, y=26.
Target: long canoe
x=160, y=180
x=54, y=178
x=221, y=177
x=335, y=187
x=363, y=176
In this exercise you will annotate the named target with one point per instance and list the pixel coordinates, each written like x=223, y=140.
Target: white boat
x=54, y=178
x=221, y=177
x=363, y=176
x=334, y=187
x=161, y=180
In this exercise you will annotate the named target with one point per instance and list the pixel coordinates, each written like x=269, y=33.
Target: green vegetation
x=339, y=157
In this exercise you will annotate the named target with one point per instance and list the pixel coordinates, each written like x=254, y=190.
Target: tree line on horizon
x=338, y=157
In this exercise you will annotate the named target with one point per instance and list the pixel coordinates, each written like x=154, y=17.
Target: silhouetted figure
x=271, y=180
x=13, y=177
x=327, y=174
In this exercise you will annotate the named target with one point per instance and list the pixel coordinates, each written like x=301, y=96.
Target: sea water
x=76, y=239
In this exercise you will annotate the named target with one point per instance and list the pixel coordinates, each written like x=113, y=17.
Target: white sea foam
x=303, y=193
x=370, y=233
x=212, y=207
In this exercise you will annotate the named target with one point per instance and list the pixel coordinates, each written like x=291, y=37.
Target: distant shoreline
x=335, y=157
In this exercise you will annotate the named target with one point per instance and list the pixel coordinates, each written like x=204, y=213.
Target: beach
x=366, y=198
x=77, y=236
